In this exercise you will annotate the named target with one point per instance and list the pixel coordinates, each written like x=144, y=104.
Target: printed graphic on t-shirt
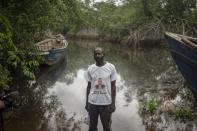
x=99, y=87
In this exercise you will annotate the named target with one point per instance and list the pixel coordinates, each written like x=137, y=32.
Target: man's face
x=98, y=55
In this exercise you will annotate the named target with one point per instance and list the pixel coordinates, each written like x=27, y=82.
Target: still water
x=56, y=101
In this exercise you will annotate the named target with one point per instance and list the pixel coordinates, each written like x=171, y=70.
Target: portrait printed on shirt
x=100, y=87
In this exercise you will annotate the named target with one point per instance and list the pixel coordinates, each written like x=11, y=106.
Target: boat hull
x=54, y=56
x=185, y=57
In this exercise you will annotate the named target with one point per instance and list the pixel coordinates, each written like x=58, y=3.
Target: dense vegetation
x=25, y=22
x=140, y=19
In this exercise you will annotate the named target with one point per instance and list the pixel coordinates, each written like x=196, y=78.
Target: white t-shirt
x=100, y=78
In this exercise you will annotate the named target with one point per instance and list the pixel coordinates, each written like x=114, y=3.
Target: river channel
x=56, y=101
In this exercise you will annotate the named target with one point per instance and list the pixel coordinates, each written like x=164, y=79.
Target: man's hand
x=113, y=96
x=87, y=107
x=87, y=94
x=112, y=108
x=2, y=104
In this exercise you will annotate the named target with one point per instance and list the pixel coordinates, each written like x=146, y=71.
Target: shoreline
x=123, y=41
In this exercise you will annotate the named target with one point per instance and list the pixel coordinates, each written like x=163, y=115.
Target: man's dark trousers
x=105, y=115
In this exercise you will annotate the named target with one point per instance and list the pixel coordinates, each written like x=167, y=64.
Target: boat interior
x=184, y=39
x=51, y=43
x=190, y=40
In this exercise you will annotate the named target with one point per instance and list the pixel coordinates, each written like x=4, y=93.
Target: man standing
x=101, y=91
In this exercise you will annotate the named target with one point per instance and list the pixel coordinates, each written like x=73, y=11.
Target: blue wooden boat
x=52, y=49
x=184, y=51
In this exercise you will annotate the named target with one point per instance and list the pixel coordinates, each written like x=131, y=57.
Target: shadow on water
x=52, y=73
x=148, y=86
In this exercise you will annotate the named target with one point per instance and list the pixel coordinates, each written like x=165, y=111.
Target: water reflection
x=56, y=101
x=72, y=97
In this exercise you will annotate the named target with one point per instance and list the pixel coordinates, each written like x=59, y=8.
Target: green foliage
x=183, y=113
x=12, y=59
x=150, y=106
x=23, y=23
x=132, y=15
x=193, y=17
x=186, y=108
x=4, y=78
x=32, y=19
x=5, y=45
